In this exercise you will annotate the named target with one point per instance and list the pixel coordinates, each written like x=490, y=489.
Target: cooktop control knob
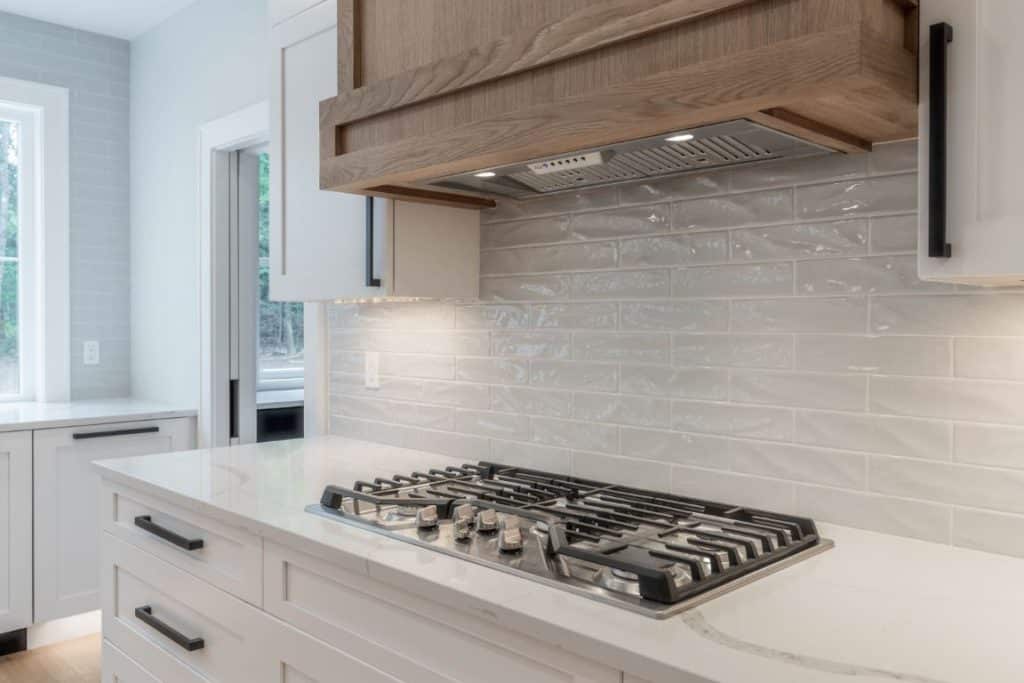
x=464, y=511
x=510, y=539
x=461, y=529
x=426, y=517
x=487, y=521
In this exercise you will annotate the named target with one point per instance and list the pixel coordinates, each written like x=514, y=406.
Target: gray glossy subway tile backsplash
x=95, y=70
x=756, y=335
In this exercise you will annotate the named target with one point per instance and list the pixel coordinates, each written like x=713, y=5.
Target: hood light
x=679, y=137
x=485, y=174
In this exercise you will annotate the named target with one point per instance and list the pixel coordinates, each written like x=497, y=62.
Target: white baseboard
x=69, y=628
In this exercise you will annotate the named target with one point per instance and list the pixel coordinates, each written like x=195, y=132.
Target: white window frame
x=44, y=296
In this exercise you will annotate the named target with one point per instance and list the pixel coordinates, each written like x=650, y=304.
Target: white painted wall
x=207, y=61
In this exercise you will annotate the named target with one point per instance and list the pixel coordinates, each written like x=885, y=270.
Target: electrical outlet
x=91, y=353
x=372, y=374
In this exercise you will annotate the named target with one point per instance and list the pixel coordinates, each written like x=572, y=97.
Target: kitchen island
x=233, y=567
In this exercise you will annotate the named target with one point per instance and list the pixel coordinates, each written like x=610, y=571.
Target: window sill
x=280, y=398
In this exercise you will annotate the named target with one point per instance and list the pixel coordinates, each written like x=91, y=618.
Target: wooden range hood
x=435, y=88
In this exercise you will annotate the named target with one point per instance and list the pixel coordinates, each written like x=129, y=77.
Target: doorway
x=267, y=337
x=258, y=358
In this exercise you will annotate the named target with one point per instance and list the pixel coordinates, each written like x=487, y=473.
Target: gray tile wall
x=95, y=69
x=757, y=335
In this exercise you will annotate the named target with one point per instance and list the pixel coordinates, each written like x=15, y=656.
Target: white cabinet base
x=321, y=622
x=66, y=504
x=15, y=531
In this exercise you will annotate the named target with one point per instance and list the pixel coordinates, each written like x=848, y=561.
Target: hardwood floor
x=76, y=661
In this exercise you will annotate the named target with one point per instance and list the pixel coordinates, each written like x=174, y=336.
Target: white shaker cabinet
x=15, y=531
x=984, y=142
x=66, y=504
x=327, y=245
x=280, y=10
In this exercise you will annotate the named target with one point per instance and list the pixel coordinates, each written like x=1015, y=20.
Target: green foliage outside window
x=281, y=324
x=9, y=374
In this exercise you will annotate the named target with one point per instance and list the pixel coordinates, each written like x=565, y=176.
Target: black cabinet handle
x=371, y=281
x=146, y=522
x=940, y=36
x=115, y=432
x=145, y=615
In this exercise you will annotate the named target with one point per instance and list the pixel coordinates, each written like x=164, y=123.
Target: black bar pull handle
x=940, y=36
x=145, y=615
x=146, y=523
x=371, y=281
x=115, y=432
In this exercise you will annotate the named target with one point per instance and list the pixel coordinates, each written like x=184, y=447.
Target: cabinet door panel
x=280, y=10
x=406, y=636
x=15, y=531
x=66, y=505
x=984, y=143
x=435, y=251
x=317, y=238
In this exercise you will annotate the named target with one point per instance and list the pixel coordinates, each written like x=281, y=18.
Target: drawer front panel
x=298, y=658
x=231, y=559
x=406, y=636
x=228, y=627
x=120, y=668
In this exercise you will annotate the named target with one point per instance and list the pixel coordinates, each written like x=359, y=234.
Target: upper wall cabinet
x=430, y=89
x=280, y=10
x=327, y=245
x=971, y=219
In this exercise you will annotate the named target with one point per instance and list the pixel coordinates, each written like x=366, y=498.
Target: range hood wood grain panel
x=839, y=68
x=601, y=24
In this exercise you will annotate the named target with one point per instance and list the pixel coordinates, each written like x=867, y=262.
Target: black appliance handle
x=940, y=36
x=114, y=432
x=146, y=523
x=371, y=281
x=145, y=615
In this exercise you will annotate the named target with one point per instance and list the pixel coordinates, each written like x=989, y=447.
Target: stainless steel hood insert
x=715, y=146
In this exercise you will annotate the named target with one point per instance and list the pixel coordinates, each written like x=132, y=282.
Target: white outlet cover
x=91, y=353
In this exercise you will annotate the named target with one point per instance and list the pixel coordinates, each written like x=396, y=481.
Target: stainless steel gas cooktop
x=653, y=553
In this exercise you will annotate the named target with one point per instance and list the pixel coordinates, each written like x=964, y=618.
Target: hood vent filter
x=716, y=146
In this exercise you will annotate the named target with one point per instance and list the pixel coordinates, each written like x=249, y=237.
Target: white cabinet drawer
x=120, y=668
x=229, y=558
x=408, y=637
x=298, y=658
x=180, y=607
x=66, y=504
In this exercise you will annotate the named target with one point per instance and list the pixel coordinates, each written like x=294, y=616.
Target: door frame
x=217, y=140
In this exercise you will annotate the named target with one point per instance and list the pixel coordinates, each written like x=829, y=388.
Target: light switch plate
x=91, y=353
x=372, y=370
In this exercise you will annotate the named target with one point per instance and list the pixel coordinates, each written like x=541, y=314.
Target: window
x=280, y=346
x=17, y=220
x=34, y=270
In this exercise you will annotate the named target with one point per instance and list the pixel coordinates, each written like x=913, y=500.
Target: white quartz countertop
x=31, y=415
x=875, y=608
